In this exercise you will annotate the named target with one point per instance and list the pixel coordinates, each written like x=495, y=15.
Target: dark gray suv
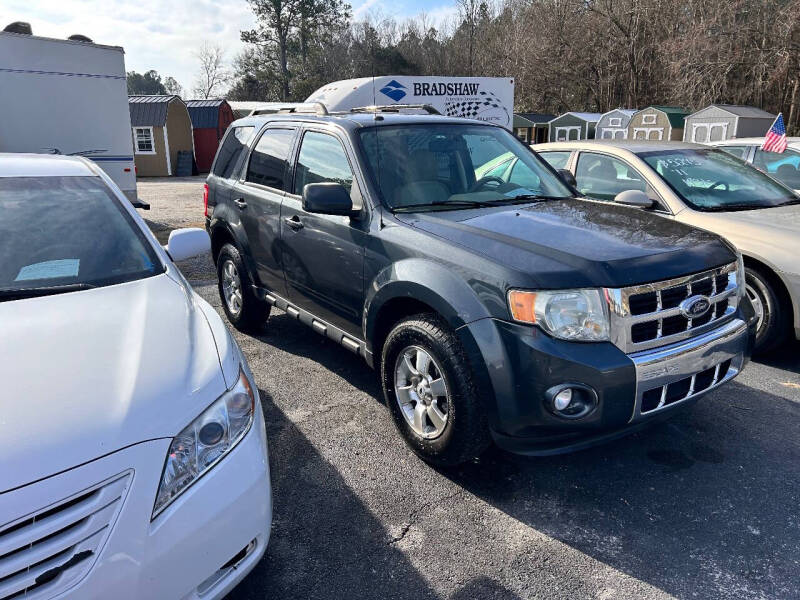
x=497, y=304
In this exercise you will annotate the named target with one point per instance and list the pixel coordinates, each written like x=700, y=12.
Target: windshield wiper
x=734, y=207
x=20, y=293
x=529, y=197
x=789, y=202
x=453, y=203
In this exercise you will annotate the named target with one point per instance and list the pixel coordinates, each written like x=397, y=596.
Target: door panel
x=259, y=197
x=323, y=255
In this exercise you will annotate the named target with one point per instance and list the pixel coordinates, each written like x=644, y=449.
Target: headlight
x=580, y=315
x=205, y=441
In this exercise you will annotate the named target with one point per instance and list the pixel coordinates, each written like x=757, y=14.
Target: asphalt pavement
x=701, y=506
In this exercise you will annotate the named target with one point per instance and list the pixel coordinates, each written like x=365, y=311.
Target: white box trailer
x=67, y=97
x=488, y=99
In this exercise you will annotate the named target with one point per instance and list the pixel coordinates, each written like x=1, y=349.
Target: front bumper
x=201, y=546
x=632, y=390
x=792, y=282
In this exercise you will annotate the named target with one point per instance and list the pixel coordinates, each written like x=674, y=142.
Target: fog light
x=571, y=400
x=562, y=399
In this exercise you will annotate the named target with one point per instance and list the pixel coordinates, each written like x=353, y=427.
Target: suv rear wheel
x=244, y=310
x=430, y=391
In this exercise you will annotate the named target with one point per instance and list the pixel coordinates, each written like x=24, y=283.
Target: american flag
x=775, y=140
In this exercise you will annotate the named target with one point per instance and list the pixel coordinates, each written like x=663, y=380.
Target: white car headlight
x=578, y=315
x=205, y=441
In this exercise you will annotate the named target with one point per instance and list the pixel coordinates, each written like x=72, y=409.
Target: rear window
x=232, y=149
x=268, y=160
x=68, y=231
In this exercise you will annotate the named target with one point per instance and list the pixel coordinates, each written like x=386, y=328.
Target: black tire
x=465, y=434
x=252, y=316
x=774, y=325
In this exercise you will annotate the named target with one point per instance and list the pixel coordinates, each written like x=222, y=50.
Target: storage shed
x=573, y=126
x=659, y=123
x=210, y=119
x=161, y=128
x=532, y=127
x=726, y=121
x=613, y=125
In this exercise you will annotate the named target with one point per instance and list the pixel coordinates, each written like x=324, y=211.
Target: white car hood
x=87, y=373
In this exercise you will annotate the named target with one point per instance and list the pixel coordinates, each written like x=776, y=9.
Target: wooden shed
x=532, y=127
x=657, y=123
x=573, y=126
x=161, y=128
x=613, y=125
x=725, y=122
x=210, y=120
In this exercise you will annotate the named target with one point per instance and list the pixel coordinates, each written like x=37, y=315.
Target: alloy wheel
x=421, y=392
x=232, y=287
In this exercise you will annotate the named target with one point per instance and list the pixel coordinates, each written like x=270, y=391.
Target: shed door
x=648, y=133
x=564, y=134
x=709, y=132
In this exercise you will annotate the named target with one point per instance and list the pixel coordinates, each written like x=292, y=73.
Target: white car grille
x=43, y=554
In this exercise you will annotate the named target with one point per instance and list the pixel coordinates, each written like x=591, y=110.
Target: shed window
x=648, y=119
x=615, y=121
x=143, y=140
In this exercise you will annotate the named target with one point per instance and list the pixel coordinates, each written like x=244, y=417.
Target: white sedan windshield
x=712, y=180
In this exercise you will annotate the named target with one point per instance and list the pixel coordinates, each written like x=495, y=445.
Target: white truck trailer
x=488, y=99
x=67, y=97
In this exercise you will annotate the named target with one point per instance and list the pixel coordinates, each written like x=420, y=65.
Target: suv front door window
x=323, y=255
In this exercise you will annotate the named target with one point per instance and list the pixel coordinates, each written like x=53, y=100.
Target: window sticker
x=50, y=269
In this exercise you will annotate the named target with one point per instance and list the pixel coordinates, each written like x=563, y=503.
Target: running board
x=332, y=332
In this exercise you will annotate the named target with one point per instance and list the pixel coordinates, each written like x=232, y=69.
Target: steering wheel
x=717, y=184
x=483, y=181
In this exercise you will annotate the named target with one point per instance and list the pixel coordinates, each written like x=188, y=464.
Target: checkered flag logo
x=472, y=109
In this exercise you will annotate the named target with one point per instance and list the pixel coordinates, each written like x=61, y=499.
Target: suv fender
x=224, y=231
x=447, y=294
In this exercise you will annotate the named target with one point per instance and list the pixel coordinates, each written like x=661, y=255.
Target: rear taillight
x=205, y=199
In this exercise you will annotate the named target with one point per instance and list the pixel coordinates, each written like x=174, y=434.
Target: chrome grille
x=654, y=399
x=44, y=553
x=651, y=315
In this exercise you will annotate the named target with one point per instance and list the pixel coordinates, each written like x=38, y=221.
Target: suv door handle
x=294, y=222
x=240, y=203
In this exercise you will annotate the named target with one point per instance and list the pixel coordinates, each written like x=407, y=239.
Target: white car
x=785, y=167
x=134, y=459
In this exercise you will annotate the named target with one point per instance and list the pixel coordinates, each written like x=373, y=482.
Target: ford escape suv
x=495, y=308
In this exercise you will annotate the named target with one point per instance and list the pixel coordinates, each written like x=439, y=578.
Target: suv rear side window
x=232, y=148
x=321, y=159
x=268, y=161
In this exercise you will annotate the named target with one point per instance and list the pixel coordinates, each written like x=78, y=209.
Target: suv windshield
x=434, y=167
x=61, y=234
x=712, y=180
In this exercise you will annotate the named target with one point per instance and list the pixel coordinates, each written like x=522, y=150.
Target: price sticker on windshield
x=50, y=269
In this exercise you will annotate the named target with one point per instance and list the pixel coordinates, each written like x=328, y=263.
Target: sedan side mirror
x=568, y=177
x=636, y=198
x=187, y=243
x=328, y=199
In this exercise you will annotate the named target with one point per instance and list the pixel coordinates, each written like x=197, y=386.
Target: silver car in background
x=783, y=166
x=710, y=189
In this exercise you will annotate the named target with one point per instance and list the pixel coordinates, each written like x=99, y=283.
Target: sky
x=165, y=34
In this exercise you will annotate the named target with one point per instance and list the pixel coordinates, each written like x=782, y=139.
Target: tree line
x=591, y=55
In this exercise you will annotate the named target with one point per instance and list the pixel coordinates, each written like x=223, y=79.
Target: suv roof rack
x=395, y=108
x=306, y=108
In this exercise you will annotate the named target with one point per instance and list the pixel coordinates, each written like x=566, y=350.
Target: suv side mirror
x=568, y=177
x=327, y=199
x=636, y=198
x=187, y=243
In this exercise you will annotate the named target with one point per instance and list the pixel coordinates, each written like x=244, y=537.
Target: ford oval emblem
x=695, y=307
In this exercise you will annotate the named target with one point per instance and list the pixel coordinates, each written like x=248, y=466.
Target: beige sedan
x=711, y=189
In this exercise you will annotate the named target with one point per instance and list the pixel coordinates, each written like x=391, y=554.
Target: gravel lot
x=702, y=506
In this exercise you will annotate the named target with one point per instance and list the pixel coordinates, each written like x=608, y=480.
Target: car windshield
x=447, y=166
x=61, y=234
x=712, y=180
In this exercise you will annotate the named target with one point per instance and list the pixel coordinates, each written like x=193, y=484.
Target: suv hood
x=91, y=372
x=579, y=243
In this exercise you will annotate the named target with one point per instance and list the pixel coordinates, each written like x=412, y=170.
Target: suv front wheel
x=244, y=310
x=430, y=391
